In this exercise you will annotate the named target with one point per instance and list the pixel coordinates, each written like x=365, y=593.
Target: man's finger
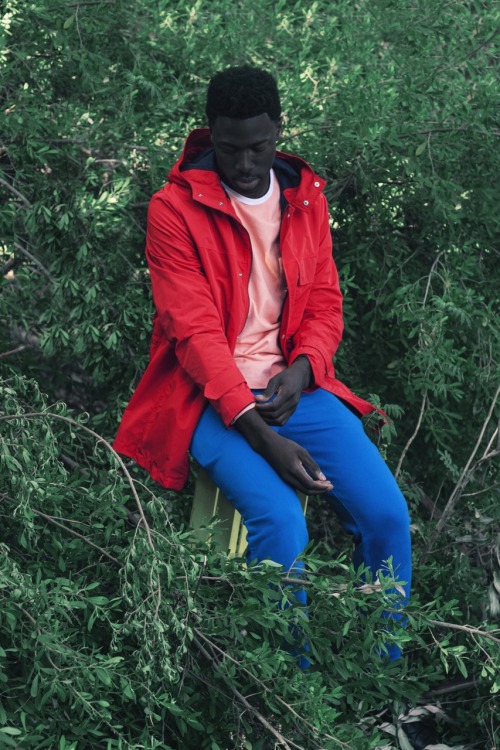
x=268, y=393
x=313, y=487
x=274, y=407
x=313, y=468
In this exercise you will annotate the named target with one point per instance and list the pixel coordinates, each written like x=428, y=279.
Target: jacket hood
x=197, y=169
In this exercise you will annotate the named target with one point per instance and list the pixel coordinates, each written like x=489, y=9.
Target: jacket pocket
x=307, y=269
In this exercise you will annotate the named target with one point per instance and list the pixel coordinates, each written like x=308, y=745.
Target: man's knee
x=394, y=517
x=294, y=525
x=282, y=524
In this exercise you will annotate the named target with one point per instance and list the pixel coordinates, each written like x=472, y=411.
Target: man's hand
x=292, y=462
x=288, y=385
x=296, y=466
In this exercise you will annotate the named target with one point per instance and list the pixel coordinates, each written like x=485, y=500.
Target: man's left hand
x=287, y=387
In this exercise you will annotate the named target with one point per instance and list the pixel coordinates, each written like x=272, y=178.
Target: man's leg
x=365, y=494
x=271, y=510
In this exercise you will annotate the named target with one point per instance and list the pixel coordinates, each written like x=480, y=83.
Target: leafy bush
x=396, y=106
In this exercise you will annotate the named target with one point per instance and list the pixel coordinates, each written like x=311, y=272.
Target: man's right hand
x=292, y=462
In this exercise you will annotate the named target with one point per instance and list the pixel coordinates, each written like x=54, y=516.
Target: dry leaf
x=404, y=742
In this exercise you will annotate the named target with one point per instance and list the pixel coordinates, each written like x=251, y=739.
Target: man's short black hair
x=242, y=92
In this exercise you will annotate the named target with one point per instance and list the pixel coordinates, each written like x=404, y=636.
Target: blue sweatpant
x=365, y=494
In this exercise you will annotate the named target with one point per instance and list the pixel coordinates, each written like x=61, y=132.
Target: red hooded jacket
x=199, y=257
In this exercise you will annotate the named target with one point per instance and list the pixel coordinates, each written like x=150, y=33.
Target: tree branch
x=90, y=2
x=40, y=265
x=14, y=351
x=262, y=685
x=462, y=482
x=241, y=698
x=482, y=45
x=15, y=192
x=7, y=266
x=450, y=687
x=412, y=438
x=466, y=629
x=52, y=520
x=100, y=439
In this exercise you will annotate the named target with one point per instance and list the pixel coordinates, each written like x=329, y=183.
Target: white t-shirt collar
x=252, y=201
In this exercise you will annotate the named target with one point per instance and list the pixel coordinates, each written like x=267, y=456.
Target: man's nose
x=244, y=163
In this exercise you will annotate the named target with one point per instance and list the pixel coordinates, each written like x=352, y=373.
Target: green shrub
x=396, y=106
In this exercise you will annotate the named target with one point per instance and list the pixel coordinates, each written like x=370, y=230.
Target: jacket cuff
x=229, y=394
x=316, y=360
x=240, y=413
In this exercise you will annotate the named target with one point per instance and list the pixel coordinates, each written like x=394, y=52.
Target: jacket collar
x=196, y=169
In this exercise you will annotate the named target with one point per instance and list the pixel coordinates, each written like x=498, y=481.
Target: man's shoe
x=134, y=518
x=421, y=732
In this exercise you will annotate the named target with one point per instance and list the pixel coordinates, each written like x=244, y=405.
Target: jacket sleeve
x=320, y=331
x=187, y=311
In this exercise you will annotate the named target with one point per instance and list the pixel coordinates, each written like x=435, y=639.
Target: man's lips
x=247, y=183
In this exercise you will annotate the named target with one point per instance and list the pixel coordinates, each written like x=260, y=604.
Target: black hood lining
x=288, y=177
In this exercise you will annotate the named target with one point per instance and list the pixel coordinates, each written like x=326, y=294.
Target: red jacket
x=199, y=257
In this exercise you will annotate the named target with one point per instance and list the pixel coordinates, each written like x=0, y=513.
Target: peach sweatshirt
x=258, y=354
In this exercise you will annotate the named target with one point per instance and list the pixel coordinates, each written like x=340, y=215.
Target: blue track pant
x=365, y=494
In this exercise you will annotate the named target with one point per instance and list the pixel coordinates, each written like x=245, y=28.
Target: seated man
x=248, y=318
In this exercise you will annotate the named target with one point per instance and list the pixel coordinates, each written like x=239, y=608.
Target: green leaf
x=34, y=686
x=194, y=723
x=99, y=601
x=11, y=731
x=103, y=675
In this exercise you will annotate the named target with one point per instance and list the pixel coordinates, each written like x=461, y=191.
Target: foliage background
x=397, y=106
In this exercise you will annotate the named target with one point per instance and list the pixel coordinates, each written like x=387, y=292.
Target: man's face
x=244, y=152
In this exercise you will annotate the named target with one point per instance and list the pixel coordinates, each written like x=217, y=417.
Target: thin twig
x=7, y=267
x=262, y=685
x=429, y=278
x=462, y=482
x=425, y=398
x=413, y=436
x=70, y=463
x=483, y=44
x=52, y=520
x=16, y=192
x=451, y=687
x=100, y=439
x=14, y=351
x=466, y=629
x=200, y=577
x=91, y=2
x=40, y=265
x=480, y=492
x=284, y=138
x=241, y=698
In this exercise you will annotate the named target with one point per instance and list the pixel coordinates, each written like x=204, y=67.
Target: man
x=248, y=318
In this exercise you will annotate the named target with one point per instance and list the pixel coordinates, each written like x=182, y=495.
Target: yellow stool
x=230, y=534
